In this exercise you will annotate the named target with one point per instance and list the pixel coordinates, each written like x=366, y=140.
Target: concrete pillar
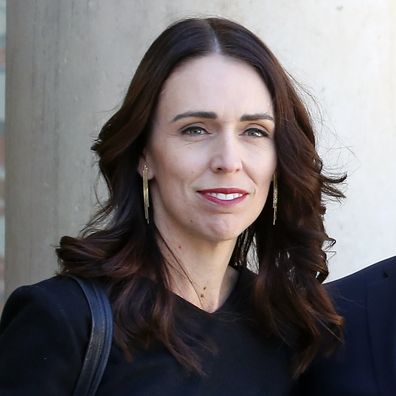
x=68, y=66
x=52, y=104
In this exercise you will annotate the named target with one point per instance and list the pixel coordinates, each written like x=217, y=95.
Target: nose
x=226, y=157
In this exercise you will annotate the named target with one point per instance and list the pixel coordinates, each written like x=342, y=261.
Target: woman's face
x=211, y=155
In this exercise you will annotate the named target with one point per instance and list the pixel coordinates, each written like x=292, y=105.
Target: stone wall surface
x=68, y=67
x=2, y=169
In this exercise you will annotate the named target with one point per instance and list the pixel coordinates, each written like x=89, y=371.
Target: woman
x=209, y=162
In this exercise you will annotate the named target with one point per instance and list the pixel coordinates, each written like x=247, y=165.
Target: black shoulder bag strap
x=99, y=345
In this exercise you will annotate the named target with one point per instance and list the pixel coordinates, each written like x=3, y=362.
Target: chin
x=222, y=234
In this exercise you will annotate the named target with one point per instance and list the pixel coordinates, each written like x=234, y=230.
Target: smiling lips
x=224, y=196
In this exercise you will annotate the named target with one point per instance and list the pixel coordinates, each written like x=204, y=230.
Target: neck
x=199, y=270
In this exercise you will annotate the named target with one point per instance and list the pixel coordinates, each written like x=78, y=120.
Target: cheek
x=178, y=162
x=166, y=183
x=263, y=168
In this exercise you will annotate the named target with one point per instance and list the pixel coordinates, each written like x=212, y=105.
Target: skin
x=189, y=155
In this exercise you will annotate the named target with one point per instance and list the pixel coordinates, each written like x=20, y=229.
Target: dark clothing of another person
x=44, y=332
x=366, y=364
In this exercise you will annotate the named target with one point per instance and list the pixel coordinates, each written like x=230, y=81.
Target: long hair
x=119, y=248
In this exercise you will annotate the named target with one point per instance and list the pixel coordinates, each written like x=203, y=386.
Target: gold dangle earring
x=146, y=198
x=275, y=198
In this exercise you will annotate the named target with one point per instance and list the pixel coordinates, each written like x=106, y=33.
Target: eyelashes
x=195, y=130
x=256, y=132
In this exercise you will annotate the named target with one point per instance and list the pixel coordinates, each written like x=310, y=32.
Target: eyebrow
x=257, y=116
x=212, y=116
x=197, y=114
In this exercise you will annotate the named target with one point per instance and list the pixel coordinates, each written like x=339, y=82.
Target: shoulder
x=61, y=286
x=374, y=272
x=44, y=330
x=57, y=298
x=365, y=301
x=356, y=284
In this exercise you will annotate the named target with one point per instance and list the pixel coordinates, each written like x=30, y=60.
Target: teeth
x=225, y=197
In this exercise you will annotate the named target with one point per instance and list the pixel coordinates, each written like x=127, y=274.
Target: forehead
x=215, y=83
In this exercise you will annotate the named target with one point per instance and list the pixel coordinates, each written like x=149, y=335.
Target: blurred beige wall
x=69, y=64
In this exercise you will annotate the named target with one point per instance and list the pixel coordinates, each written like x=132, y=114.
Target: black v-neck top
x=44, y=331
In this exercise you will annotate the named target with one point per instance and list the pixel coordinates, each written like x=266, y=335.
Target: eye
x=194, y=131
x=256, y=132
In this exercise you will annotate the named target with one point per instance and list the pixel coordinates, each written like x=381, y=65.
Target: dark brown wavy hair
x=118, y=247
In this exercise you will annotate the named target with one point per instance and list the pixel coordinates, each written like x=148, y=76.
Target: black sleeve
x=42, y=340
